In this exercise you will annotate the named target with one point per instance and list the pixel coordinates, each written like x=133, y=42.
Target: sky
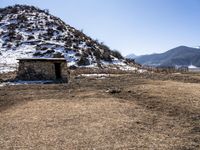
x=129, y=26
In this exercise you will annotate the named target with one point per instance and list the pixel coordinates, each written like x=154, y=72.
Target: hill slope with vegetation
x=27, y=31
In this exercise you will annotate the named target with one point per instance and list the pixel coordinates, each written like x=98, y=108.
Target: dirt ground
x=129, y=111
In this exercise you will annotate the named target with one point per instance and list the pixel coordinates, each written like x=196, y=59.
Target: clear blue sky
x=130, y=26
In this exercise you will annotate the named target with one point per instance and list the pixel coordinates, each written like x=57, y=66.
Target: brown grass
x=146, y=114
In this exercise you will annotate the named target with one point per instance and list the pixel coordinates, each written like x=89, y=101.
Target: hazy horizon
x=130, y=26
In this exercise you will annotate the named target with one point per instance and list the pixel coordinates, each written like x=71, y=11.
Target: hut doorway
x=57, y=70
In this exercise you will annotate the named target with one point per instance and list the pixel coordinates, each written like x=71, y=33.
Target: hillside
x=27, y=31
x=179, y=56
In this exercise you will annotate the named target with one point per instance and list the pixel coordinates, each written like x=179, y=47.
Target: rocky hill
x=179, y=56
x=27, y=31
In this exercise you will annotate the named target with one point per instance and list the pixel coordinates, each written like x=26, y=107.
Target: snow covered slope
x=26, y=31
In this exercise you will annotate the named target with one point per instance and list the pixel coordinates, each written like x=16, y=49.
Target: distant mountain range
x=131, y=56
x=179, y=56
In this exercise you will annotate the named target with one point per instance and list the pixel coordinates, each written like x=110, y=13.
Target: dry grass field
x=138, y=111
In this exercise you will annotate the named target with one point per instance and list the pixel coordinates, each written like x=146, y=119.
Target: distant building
x=193, y=68
x=43, y=69
x=182, y=69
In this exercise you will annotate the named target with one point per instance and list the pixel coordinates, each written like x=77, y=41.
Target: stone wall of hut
x=41, y=70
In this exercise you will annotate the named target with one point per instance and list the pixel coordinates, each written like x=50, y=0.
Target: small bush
x=97, y=54
x=77, y=54
x=44, y=48
x=14, y=10
x=12, y=26
x=22, y=18
x=117, y=54
x=129, y=60
x=83, y=61
x=1, y=17
x=37, y=54
x=30, y=37
x=58, y=55
x=104, y=47
x=49, y=51
x=60, y=28
x=50, y=32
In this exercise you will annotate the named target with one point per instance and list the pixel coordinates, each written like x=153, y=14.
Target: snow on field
x=25, y=82
x=6, y=69
x=141, y=71
x=10, y=58
x=127, y=68
x=119, y=64
x=71, y=58
x=94, y=75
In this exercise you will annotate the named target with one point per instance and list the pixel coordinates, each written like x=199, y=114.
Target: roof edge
x=43, y=59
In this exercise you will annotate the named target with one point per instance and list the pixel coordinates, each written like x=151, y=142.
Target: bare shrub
x=117, y=54
x=83, y=61
x=30, y=37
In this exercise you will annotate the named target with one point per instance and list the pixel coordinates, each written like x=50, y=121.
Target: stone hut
x=43, y=69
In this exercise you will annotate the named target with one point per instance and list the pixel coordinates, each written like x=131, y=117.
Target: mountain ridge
x=179, y=56
x=131, y=56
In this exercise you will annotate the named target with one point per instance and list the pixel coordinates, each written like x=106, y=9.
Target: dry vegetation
x=148, y=112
